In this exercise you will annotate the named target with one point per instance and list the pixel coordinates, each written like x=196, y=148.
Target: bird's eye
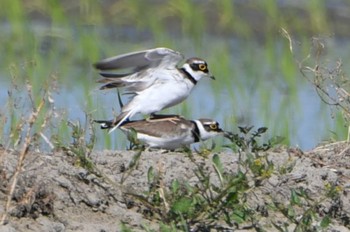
x=213, y=126
x=202, y=67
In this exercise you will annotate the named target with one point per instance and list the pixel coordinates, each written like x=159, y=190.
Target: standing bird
x=169, y=132
x=153, y=79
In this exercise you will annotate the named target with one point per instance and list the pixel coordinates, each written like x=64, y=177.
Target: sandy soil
x=55, y=193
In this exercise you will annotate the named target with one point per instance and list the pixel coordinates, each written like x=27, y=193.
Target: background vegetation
x=52, y=44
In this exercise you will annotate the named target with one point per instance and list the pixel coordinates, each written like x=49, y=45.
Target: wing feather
x=141, y=60
x=158, y=127
x=140, y=69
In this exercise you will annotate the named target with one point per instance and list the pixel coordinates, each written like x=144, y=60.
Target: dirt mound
x=56, y=193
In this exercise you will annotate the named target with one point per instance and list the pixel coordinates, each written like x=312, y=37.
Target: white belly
x=166, y=143
x=160, y=96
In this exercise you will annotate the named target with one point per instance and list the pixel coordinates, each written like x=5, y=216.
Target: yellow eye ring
x=202, y=67
x=213, y=126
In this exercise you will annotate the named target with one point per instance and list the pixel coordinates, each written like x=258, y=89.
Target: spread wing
x=138, y=65
x=138, y=61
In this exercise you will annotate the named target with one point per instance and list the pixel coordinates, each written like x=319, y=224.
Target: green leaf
x=135, y=159
x=307, y=219
x=132, y=136
x=125, y=228
x=121, y=104
x=182, y=205
x=262, y=130
x=232, y=197
x=238, y=216
x=163, y=227
x=218, y=168
x=291, y=212
x=175, y=186
x=150, y=175
x=294, y=199
x=326, y=220
x=246, y=129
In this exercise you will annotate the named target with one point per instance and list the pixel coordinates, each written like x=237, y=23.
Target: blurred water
x=231, y=104
x=310, y=122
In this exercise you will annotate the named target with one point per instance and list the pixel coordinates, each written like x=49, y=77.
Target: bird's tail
x=105, y=124
x=111, y=125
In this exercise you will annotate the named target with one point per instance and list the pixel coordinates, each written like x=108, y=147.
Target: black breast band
x=188, y=75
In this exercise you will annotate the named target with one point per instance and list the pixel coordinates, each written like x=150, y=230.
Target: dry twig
x=23, y=153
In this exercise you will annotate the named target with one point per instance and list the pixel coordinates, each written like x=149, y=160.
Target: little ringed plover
x=169, y=132
x=153, y=79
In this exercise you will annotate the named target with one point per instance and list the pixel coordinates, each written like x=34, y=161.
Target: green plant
x=202, y=206
x=256, y=159
x=81, y=145
x=247, y=140
x=218, y=199
x=132, y=165
x=302, y=211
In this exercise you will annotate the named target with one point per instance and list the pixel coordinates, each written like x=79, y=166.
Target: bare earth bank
x=55, y=193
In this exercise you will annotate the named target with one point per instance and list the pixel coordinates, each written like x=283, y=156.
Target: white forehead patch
x=199, y=61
